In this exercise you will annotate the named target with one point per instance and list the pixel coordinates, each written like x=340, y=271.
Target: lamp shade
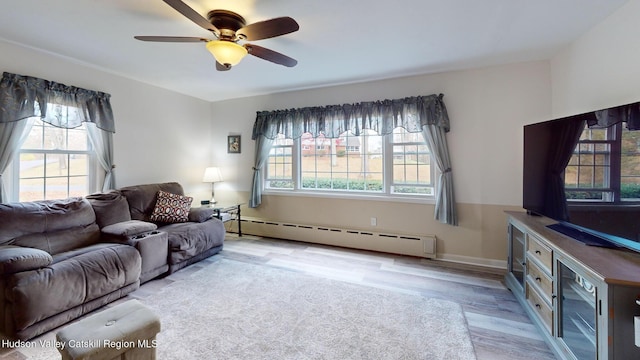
x=212, y=175
x=226, y=52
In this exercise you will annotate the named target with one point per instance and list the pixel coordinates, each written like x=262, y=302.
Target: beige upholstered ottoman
x=125, y=331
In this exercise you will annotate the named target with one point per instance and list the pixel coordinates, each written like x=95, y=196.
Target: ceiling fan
x=230, y=28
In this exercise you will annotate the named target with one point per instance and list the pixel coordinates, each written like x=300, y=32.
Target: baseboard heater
x=415, y=245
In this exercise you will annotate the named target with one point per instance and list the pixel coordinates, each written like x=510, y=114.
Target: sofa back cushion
x=142, y=198
x=110, y=208
x=50, y=225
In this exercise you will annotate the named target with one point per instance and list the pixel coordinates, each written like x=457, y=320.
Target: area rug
x=234, y=310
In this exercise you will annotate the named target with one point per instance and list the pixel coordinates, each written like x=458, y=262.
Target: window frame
x=611, y=191
x=92, y=165
x=386, y=194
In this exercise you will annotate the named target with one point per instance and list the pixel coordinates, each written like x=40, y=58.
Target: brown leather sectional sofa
x=60, y=259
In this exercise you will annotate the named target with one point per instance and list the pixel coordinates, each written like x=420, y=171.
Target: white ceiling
x=339, y=41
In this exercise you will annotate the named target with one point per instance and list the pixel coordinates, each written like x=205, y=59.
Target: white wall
x=487, y=108
x=160, y=135
x=602, y=68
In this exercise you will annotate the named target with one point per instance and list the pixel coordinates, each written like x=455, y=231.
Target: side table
x=232, y=209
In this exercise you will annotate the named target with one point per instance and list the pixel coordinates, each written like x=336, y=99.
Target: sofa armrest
x=200, y=214
x=122, y=232
x=15, y=259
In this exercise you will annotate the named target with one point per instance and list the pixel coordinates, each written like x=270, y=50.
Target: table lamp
x=212, y=175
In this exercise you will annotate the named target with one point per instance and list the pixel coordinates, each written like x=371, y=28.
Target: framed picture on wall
x=233, y=144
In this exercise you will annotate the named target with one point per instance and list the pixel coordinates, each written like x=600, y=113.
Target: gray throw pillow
x=200, y=214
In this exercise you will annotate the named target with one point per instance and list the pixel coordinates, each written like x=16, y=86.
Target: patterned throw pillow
x=171, y=208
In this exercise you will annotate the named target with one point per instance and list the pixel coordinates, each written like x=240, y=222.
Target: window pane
x=412, y=172
x=350, y=162
x=35, y=138
x=630, y=165
x=79, y=165
x=56, y=187
x=57, y=165
x=31, y=165
x=78, y=185
x=279, y=173
x=594, y=134
x=54, y=138
x=31, y=189
x=77, y=139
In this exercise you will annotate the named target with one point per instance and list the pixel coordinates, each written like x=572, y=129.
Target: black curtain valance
x=60, y=105
x=411, y=113
x=629, y=113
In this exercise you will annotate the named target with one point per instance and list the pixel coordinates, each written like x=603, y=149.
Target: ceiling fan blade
x=192, y=15
x=268, y=28
x=171, y=38
x=221, y=67
x=270, y=55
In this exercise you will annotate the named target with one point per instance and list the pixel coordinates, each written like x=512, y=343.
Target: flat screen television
x=588, y=181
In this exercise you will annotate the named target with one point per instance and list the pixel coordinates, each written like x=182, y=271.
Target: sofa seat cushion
x=189, y=239
x=74, y=278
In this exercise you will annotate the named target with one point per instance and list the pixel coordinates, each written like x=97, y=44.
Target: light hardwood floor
x=498, y=326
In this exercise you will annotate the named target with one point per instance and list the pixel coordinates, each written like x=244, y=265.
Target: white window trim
x=13, y=173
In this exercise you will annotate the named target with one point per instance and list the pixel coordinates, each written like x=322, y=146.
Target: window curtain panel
x=12, y=136
x=566, y=139
x=102, y=142
x=411, y=113
x=23, y=97
x=263, y=146
x=445, y=211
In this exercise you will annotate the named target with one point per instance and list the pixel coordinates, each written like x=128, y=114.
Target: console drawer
x=541, y=252
x=541, y=280
x=540, y=307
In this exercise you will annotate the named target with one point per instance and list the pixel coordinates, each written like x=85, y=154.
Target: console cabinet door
x=578, y=310
x=517, y=253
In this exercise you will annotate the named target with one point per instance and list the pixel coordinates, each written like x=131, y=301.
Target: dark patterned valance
x=411, y=113
x=629, y=113
x=60, y=105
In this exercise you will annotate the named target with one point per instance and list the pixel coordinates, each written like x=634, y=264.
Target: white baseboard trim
x=469, y=260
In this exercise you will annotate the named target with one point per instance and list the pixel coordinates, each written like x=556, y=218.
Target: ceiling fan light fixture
x=226, y=52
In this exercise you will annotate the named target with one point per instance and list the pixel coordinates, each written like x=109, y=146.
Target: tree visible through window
x=398, y=163
x=53, y=163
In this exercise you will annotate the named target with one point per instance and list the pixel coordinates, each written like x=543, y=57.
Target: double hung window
x=54, y=163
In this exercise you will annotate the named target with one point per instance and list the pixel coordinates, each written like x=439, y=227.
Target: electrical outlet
x=374, y=221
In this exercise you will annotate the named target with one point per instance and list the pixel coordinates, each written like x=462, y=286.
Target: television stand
x=581, y=298
x=582, y=236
